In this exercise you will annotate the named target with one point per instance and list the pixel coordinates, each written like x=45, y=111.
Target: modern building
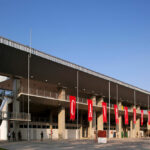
x=35, y=97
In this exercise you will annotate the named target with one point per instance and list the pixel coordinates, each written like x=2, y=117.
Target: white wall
x=35, y=134
x=4, y=130
x=71, y=134
x=4, y=123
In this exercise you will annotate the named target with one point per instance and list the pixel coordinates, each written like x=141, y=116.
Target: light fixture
x=83, y=89
x=32, y=76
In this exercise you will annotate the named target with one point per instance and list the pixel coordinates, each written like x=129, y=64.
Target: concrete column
x=16, y=104
x=51, y=119
x=119, y=126
x=132, y=129
x=62, y=94
x=90, y=130
x=138, y=122
x=148, y=128
x=61, y=115
x=138, y=110
x=138, y=127
x=92, y=124
x=119, y=106
x=99, y=101
x=61, y=123
x=132, y=126
x=100, y=125
x=81, y=127
x=93, y=98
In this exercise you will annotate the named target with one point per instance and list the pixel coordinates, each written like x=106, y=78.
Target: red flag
x=72, y=107
x=141, y=117
x=90, y=109
x=104, y=105
x=148, y=117
x=126, y=115
x=116, y=113
x=134, y=115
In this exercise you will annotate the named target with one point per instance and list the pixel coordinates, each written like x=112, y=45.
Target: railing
x=82, y=100
x=15, y=116
x=50, y=94
x=111, y=105
x=39, y=92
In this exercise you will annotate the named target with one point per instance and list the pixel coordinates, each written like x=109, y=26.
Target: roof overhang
x=43, y=67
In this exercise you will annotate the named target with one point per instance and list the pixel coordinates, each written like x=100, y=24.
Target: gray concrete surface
x=126, y=144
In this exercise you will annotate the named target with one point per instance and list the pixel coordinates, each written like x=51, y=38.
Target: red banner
x=134, y=115
x=141, y=117
x=72, y=107
x=126, y=115
x=104, y=105
x=116, y=113
x=148, y=117
x=90, y=109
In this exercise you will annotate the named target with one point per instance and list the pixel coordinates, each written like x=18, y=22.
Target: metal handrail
x=51, y=94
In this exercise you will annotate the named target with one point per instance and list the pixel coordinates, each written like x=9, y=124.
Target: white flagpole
x=148, y=115
x=77, y=103
x=109, y=109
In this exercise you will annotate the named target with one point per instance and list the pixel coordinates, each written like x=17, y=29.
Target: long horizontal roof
x=66, y=63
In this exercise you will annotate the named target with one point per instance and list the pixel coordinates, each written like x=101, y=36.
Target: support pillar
x=132, y=126
x=148, y=129
x=61, y=123
x=81, y=127
x=61, y=115
x=100, y=121
x=138, y=122
x=92, y=124
x=119, y=125
x=16, y=105
x=100, y=125
x=51, y=120
x=62, y=94
x=138, y=127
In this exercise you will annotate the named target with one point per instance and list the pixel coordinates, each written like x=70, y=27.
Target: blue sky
x=108, y=36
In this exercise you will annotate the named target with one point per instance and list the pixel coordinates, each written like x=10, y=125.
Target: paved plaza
x=123, y=144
